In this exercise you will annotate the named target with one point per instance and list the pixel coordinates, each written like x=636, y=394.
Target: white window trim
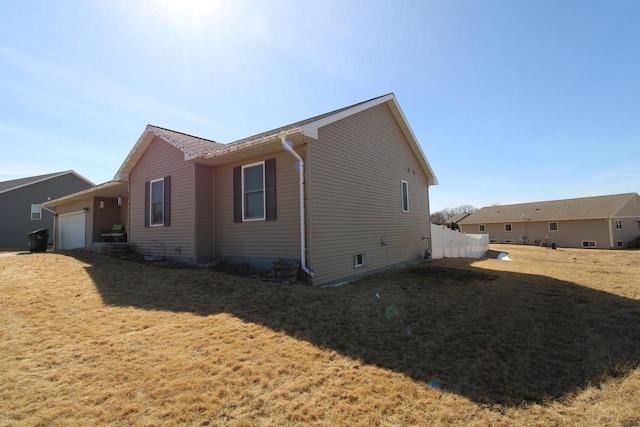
x=151, y=223
x=619, y=244
x=494, y=240
x=618, y=224
x=510, y=226
x=557, y=226
x=38, y=211
x=482, y=228
x=509, y=241
x=404, y=183
x=595, y=245
x=264, y=193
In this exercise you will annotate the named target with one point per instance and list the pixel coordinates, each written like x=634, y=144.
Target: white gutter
x=303, y=242
x=610, y=233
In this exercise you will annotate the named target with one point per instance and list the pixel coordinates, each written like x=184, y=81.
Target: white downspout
x=303, y=242
x=610, y=233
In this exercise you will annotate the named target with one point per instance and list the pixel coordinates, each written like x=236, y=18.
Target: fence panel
x=447, y=243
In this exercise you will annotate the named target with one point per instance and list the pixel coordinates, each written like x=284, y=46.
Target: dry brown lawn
x=550, y=338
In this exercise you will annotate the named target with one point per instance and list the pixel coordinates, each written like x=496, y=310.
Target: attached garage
x=71, y=229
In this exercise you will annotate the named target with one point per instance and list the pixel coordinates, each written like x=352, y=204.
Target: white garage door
x=71, y=228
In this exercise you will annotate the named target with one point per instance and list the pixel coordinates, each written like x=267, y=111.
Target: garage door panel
x=72, y=230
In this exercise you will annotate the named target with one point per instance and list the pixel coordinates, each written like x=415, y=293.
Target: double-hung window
x=157, y=202
x=618, y=224
x=156, y=212
x=254, y=191
x=36, y=212
x=405, y=196
x=253, y=194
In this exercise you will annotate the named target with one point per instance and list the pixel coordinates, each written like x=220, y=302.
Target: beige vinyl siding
x=205, y=249
x=629, y=215
x=259, y=239
x=354, y=172
x=570, y=234
x=160, y=160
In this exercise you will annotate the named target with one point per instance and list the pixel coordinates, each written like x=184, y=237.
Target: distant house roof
x=194, y=147
x=457, y=218
x=14, y=184
x=107, y=189
x=598, y=207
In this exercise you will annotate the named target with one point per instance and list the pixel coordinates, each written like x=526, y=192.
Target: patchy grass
x=551, y=338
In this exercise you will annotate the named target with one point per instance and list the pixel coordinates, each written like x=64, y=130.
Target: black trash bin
x=38, y=240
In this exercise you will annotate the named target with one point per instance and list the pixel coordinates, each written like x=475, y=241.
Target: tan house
x=590, y=222
x=345, y=194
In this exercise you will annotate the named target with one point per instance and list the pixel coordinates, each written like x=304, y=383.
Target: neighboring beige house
x=591, y=222
x=345, y=193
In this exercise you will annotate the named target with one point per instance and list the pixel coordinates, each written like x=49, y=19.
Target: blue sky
x=512, y=101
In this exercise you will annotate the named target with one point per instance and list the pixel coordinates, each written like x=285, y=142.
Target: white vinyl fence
x=447, y=243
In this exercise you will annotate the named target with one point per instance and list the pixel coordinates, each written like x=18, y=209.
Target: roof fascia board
x=250, y=144
x=413, y=141
x=47, y=179
x=188, y=153
x=141, y=146
x=86, y=192
x=311, y=129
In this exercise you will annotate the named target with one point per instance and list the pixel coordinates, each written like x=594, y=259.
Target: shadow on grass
x=494, y=337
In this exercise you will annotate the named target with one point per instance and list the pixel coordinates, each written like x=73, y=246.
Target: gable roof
x=457, y=218
x=107, y=189
x=14, y=184
x=598, y=207
x=194, y=147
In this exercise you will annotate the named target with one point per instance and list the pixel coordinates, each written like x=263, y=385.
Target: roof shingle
x=597, y=207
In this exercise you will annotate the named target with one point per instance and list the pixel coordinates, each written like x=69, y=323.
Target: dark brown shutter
x=270, y=188
x=167, y=201
x=237, y=194
x=147, y=190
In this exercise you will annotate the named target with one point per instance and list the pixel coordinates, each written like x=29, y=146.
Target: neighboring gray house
x=20, y=204
x=609, y=222
x=345, y=193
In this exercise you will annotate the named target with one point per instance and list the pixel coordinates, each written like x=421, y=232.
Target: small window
x=359, y=260
x=618, y=224
x=589, y=244
x=253, y=195
x=405, y=196
x=36, y=212
x=619, y=243
x=156, y=206
x=494, y=241
x=507, y=227
x=509, y=241
x=553, y=226
x=482, y=228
